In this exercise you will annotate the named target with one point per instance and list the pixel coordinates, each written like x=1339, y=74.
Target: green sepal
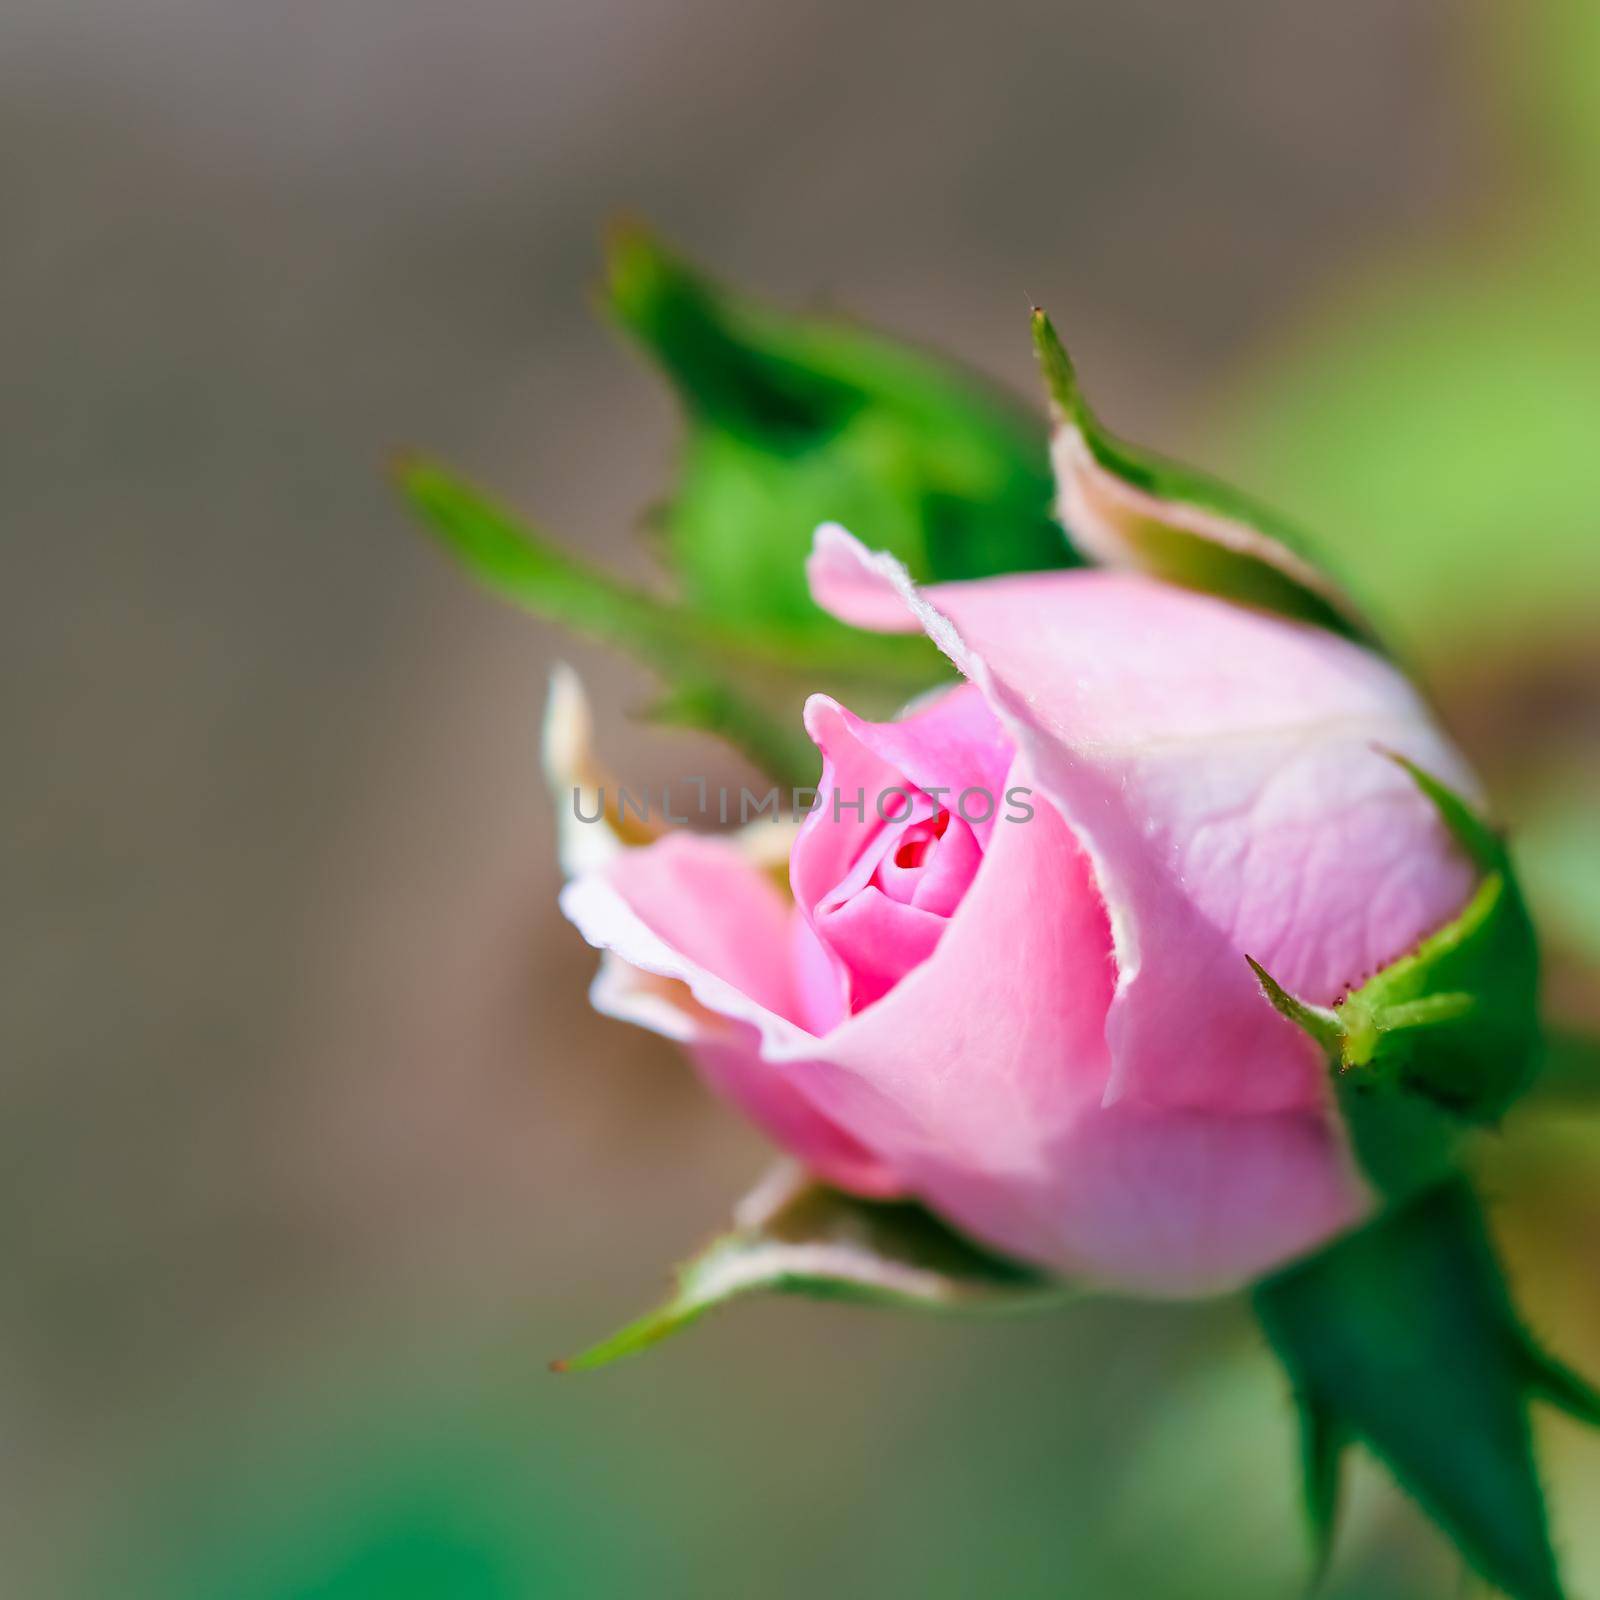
x=1403, y=1336
x=791, y=421
x=1128, y=508
x=798, y=420
x=531, y=570
x=1323, y=1441
x=795, y=1236
x=1445, y=1037
x=731, y=373
x=744, y=686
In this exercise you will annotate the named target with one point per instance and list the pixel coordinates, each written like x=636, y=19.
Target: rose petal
x=879, y=940
x=979, y=1081
x=1223, y=769
x=697, y=944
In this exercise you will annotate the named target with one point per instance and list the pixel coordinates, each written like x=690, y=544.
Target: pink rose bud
x=1011, y=980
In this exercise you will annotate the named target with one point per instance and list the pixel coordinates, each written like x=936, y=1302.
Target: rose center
x=888, y=912
x=919, y=839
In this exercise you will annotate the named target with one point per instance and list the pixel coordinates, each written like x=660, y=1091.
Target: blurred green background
x=313, y=1154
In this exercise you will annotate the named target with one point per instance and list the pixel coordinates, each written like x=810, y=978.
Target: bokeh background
x=312, y=1153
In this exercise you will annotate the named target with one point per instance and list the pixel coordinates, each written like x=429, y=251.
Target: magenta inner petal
x=879, y=940
x=886, y=915
x=931, y=865
x=885, y=859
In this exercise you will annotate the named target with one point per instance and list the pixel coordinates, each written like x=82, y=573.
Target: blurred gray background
x=312, y=1153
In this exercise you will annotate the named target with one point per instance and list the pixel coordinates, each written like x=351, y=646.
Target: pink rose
x=1043, y=1026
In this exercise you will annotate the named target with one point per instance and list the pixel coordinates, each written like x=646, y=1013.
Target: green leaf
x=794, y=1236
x=1403, y=1336
x=1446, y=1036
x=794, y=421
x=1127, y=508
